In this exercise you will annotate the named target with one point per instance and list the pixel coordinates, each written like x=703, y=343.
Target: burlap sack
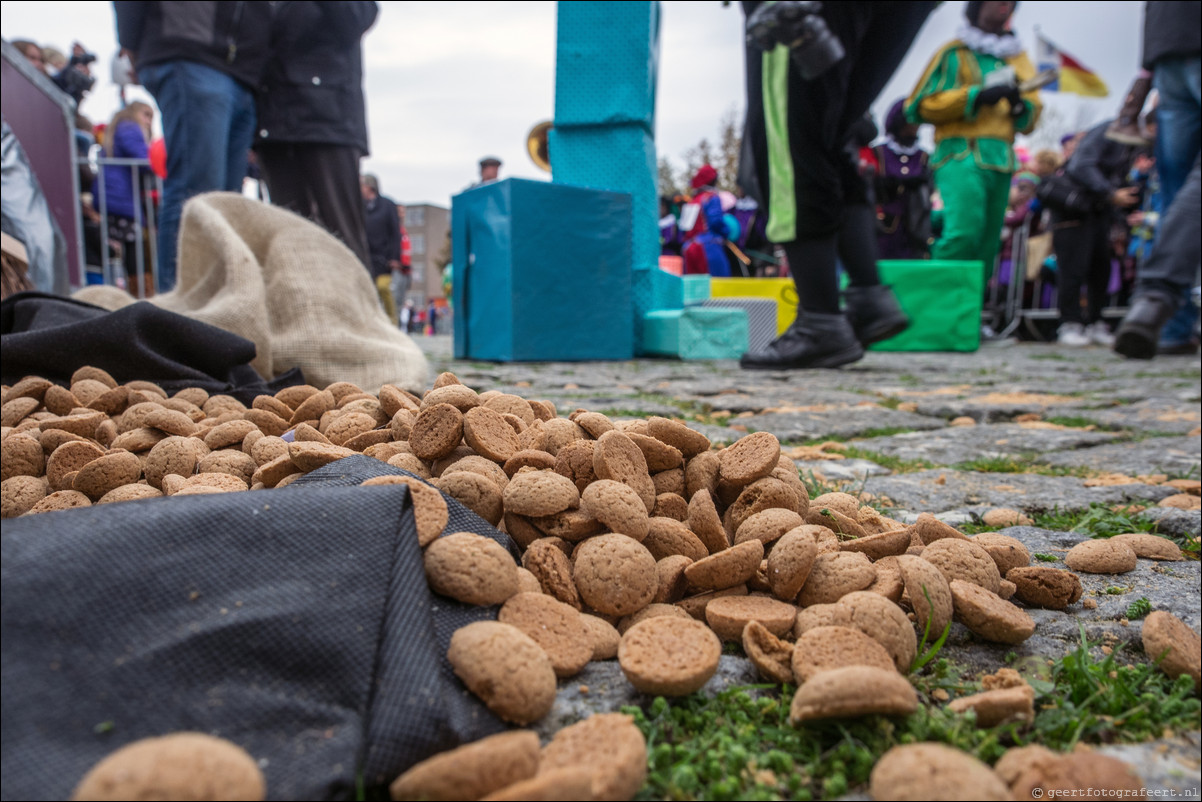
x=293, y=289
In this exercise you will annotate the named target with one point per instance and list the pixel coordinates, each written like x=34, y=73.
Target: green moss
x=740, y=744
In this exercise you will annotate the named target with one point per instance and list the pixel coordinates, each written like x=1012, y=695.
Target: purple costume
x=902, y=183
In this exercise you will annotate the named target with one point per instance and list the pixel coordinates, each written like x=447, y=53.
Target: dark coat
x=1100, y=164
x=383, y=234
x=232, y=37
x=1171, y=29
x=313, y=89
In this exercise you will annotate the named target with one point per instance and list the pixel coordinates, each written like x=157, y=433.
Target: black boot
x=1140, y=330
x=813, y=341
x=874, y=313
x=1125, y=128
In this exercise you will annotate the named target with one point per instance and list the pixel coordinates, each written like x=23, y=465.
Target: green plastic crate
x=943, y=301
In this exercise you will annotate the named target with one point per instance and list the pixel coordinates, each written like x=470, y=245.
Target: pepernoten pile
x=640, y=542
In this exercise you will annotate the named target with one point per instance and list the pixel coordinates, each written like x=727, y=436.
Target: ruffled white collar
x=900, y=149
x=991, y=44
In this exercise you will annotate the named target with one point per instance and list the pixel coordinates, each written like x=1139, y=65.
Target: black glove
x=990, y=95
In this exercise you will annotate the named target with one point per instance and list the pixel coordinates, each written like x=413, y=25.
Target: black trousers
x=320, y=182
x=1083, y=255
x=822, y=111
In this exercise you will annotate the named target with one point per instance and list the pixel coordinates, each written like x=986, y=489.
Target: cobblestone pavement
x=1033, y=427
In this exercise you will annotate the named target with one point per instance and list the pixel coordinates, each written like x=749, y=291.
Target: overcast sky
x=448, y=83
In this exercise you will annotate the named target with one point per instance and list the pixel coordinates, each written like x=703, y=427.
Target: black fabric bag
x=1062, y=194
x=52, y=337
x=296, y=623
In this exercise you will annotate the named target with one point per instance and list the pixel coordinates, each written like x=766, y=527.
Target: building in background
x=428, y=227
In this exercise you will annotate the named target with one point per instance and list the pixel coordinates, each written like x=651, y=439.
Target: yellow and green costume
x=974, y=153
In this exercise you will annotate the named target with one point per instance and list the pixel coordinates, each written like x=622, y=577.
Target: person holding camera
x=813, y=70
x=1081, y=233
x=970, y=93
x=75, y=78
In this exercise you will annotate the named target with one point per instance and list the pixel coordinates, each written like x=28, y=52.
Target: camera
x=74, y=82
x=797, y=25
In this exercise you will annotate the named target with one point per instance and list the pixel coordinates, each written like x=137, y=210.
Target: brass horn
x=536, y=145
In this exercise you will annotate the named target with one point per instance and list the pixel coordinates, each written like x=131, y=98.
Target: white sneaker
x=1099, y=334
x=1073, y=335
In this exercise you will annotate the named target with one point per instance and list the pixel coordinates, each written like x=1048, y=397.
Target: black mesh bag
x=297, y=623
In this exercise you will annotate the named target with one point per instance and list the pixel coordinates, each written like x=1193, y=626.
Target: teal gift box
x=695, y=332
x=618, y=158
x=606, y=63
x=541, y=272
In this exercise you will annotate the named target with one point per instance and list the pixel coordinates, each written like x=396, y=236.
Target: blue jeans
x=208, y=125
x=1178, y=143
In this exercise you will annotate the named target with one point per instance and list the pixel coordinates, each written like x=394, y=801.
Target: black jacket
x=383, y=234
x=1171, y=29
x=1100, y=164
x=313, y=90
x=233, y=37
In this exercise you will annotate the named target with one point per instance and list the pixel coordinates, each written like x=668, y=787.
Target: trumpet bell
x=536, y=145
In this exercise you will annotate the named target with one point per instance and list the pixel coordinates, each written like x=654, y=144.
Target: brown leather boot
x=1125, y=129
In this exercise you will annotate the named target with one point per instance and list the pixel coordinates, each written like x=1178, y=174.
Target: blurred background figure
x=490, y=171
x=312, y=128
x=32, y=53
x=975, y=124
x=74, y=75
x=127, y=136
x=402, y=278
x=901, y=180
x=703, y=227
x=383, y=240
x=1082, y=236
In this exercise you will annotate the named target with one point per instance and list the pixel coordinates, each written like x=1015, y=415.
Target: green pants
x=974, y=207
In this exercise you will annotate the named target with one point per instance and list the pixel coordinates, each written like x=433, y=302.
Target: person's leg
x=1178, y=140
x=1098, y=270
x=195, y=114
x=872, y=309
x=804, y=200
x=1170, y=269
x=997, y=195
x=1178, y=335
x=1072, y=242
x=384, y=290
x=1179, y=122
x=241, y=134
x=884, y=42
x=284, y=173
x=400, y=287
x=333, y=177
x=963, y=189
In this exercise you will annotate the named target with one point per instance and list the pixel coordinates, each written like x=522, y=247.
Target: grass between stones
x=1098, y=521
x=895, y=464
x=740, y=744
x=1021, y=463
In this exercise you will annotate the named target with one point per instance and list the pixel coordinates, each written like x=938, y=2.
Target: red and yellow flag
x=1073, y=76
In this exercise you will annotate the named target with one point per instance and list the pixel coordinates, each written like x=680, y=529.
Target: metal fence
x=116, y=267
x=1027, y=296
